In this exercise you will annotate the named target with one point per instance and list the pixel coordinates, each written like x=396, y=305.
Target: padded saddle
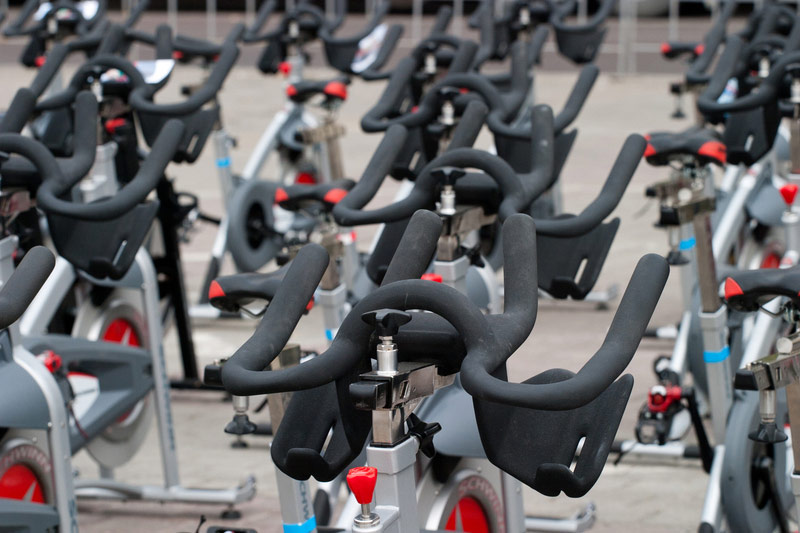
x=303, y=91
x=702, y=144
x=328, y=194
x=750, y=289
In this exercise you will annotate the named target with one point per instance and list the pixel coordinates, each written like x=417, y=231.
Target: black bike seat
x=187, y=49
x=702, y=144
x=230, y=293
x=750, y=289
x=302, y=91
x=328, y=194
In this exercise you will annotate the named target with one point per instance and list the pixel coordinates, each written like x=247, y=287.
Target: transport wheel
x=746, y=495
x=468, y=499
x=251, y=240
x=25, y=472
x=119, y=319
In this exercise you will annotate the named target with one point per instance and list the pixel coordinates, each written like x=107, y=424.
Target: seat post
x=696, y=204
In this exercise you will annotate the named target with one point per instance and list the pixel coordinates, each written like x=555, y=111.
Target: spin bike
x=360, y=399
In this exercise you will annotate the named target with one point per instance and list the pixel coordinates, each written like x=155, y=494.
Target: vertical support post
x=249, y=12
x=632, y=37
x=622, y=35
x=172, y=15
x=166, y=435
x=211, y=20
x=458, y=15
x=416, y=21
x=713, y=320
x=674, y=16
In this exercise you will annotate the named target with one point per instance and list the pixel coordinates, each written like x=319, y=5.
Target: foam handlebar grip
x=609, y=197
x=725, y=69
x=243, y=374
x=580, y=92
x=697, y=70
x=622, y=340
x=18, y=112
x=18, y=291
x=113, y=40
x=416, y=248
x=469, y=126
x=251, y=34
x=377, y=169
x=53, y=61
x=140, y=96
x=128, y=197
x=376, y=118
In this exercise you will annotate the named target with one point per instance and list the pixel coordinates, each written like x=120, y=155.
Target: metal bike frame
x=58, y=432
x=142, y=277
x=266, y=146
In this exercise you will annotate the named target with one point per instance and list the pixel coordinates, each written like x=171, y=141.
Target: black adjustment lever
x=240, y=425
x=424, y=432
x=449, y=94
x=448, y=175
x=768, y=432
x=387, y=322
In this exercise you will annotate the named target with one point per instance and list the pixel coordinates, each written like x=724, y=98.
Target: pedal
x=657, y=416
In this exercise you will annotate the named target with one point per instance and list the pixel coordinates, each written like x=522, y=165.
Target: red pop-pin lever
x=789, y=192
x=361, y=481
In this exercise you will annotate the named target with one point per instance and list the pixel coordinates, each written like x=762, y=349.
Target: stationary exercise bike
x=107, y=387
x=418, y=353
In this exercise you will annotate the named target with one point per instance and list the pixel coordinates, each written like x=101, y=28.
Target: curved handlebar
x=84, y=144
x=622, y=340
x=768, y=90
x=243, y=373
x=141, y=96
x=131, y=195
x=610, y=195
x=18, y=112
x=697, y=70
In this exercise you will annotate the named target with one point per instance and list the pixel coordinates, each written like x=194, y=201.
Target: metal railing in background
x=626, y=48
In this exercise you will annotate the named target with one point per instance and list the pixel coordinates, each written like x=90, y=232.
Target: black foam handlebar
x=20, y=289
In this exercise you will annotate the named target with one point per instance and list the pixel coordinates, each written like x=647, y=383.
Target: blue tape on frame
x=224, y=162
x=716, y=357
x=329, y=334
x=687, y=244
x=306, y=527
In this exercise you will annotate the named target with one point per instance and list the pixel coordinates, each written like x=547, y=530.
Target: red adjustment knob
x=665, y=48
x=732, y=289
x=39, y=61
x=699, y=49
x=114, y=123
x=789, y=192
x=336, y=89
x=52, y=361
x=215, y=290
x=432, y=276
x=284, y=67
x=334, y=196
x=281, y=195
x=361, y=481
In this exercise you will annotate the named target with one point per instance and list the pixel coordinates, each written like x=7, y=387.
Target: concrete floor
x=629, y=497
